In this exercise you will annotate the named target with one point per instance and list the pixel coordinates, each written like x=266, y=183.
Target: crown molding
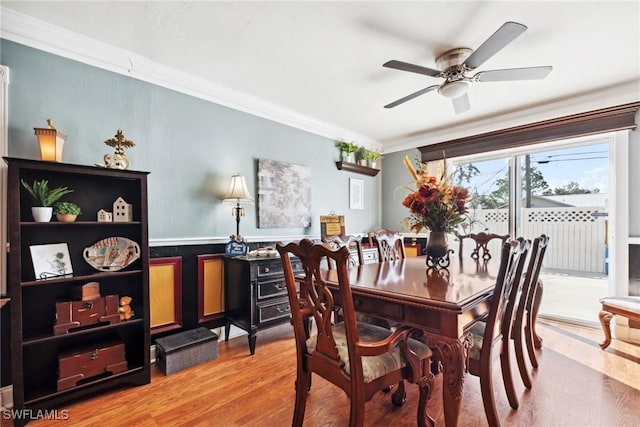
x=619, y=94
x=56, y=40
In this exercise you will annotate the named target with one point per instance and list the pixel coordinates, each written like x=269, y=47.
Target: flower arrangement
x=435, y=204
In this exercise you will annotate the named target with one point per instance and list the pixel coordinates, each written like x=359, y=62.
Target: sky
x=586, y=165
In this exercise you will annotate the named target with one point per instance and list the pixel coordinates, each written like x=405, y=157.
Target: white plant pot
x=42, y=213
x=349, y=158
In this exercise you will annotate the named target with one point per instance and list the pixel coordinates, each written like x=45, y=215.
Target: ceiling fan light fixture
x=454, y=89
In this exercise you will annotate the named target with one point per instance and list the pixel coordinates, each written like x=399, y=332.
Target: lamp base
x=236, y=246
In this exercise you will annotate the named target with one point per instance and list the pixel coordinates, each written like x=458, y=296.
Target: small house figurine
x=122, y=211
x=105, y=216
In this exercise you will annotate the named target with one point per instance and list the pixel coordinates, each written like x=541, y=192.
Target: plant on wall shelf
x=361, y=155
x=372, y=157
x=348, y=150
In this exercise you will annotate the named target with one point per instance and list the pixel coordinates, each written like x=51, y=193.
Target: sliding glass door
x=557, y=189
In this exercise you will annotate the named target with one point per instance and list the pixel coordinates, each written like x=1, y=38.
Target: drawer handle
x=284, y=309
x=279, y=287
x=266, y=269
x=94, y=355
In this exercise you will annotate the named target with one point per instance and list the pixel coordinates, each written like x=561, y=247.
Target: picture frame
x=284, y=195
x=356, y=193
x=51, y=260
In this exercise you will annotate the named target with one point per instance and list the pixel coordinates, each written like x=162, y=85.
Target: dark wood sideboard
x=255, y=292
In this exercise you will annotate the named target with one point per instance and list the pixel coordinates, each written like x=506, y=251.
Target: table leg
x=452, y=353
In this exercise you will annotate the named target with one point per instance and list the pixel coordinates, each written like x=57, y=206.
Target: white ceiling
x=322, y=61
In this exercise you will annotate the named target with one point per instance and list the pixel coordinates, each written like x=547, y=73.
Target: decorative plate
x=112, y=253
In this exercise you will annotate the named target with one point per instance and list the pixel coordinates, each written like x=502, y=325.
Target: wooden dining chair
x=493, y=333
x=351, y=242
x=357, y=357
x=390, y=245
x=482, y=239
x=523, y=330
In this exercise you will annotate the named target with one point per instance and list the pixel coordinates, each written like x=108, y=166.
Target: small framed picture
x=51, y=260
x=356, y=193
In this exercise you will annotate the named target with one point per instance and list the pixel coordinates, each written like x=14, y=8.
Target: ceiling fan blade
x=502, y=37
x=529, y=73
x=413, y=68
x=461, y=103
x=410, y=97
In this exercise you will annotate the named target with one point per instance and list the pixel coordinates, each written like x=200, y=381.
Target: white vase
x=42, y=213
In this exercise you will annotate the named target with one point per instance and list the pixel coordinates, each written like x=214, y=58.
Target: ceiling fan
x=455, y=64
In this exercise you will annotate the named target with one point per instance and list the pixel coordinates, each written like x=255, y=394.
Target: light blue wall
x=395, y=181
x=190, y=146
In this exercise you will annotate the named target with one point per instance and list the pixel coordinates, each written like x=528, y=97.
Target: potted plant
x=372, y=157
x=66, y=211
x=361, y=155
x=43, y=198
x=347, y=150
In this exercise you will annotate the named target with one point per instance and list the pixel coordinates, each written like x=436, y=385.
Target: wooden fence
x=577, y=238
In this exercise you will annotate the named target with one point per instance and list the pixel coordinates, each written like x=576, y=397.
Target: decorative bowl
x=112, y=253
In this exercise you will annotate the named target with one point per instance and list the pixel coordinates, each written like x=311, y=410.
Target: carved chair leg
x=425, y=385
x=488, y=400
x=303, y=383
x=356, y=417
x=605, y=321
x=531, y=340
x=507, y=378
x=519, y=351
x=399, y=396
x=534, y=315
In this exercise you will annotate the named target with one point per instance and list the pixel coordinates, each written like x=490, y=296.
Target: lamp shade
x=238, y=191
x=51, y=142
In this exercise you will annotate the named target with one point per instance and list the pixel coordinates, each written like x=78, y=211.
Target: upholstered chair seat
x=372, y=366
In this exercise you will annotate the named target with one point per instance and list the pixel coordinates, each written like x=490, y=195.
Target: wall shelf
x=352, y=167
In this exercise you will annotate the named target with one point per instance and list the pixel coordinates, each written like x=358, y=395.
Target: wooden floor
x=577, y=384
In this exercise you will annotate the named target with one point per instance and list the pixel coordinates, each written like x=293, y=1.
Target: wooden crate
x=89, y=361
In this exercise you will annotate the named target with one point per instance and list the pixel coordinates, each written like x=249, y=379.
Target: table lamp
x=237, y=193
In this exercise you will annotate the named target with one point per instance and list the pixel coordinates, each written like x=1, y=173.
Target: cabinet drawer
x=278, y=310
x=271, y=289
x=274, y=268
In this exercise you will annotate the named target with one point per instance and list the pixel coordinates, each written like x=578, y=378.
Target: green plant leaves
x=42, y=195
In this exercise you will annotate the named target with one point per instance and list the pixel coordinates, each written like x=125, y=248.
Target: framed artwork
x=51, y=260
x=284, y=195
x=356, y=193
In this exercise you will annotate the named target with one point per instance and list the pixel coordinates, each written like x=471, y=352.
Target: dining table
x=443, y=303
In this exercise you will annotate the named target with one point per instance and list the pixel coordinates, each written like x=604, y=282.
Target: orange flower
x=435, y=204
